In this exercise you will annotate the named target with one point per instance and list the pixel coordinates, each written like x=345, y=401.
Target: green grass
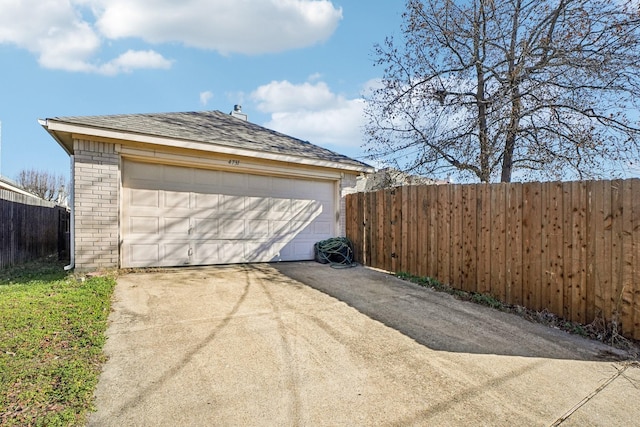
x=51, y=337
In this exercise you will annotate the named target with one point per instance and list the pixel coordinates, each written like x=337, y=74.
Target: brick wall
x=96, y=204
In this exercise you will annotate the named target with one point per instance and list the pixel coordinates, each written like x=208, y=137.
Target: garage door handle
x=190, y=253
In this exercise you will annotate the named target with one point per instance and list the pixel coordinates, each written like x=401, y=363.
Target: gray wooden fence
x=31, y=228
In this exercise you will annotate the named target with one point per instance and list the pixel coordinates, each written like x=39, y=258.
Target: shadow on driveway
x=440, y=321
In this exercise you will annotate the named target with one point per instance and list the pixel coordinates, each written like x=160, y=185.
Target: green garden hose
x=336, y=251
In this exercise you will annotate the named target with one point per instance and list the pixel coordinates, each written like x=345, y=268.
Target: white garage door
x=174, y=216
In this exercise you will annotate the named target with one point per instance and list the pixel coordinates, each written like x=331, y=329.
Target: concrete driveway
x=302, y=344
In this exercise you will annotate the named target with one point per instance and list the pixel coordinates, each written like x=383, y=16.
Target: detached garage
x=198, y=188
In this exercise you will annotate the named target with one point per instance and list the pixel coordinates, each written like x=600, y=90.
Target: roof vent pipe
x=237, y=112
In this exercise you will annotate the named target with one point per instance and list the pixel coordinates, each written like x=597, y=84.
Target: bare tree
x=485, y=88
x=43, y=184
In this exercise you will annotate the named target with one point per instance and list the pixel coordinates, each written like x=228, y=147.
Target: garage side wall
x=96, y=204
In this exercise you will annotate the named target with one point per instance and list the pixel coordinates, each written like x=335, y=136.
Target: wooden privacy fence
x=31, y=228
x=572, y=248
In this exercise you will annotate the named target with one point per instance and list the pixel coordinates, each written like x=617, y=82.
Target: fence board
x=582, y=242
x=380, y=236
x=405, y=225
x=361, y=219
x=531, y=240
x=604, y=273
x=352, y=204
x=424, y=245
x=627, y=284
x=596, y=253
x=30, y=228
x=368, y=258
x=444, y=207
x=568, y=263
x=433, y=231
x=555, y=298
x=414, y=230
x=635, y=275
x=394, y=204
x=484, y=254
x=617, y=205
x=544, y=245
x=498, y=252
x=570, y=248
x=456, y=237
x=514, y=245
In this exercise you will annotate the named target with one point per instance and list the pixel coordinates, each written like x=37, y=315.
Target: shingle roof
x=214, y=127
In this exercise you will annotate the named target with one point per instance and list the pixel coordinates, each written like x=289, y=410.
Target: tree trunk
x=483, y=134
x=516, y=103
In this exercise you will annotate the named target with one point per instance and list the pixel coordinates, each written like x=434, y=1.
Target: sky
x=295, y=66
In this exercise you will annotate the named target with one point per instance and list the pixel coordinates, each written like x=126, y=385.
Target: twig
x=589, y=397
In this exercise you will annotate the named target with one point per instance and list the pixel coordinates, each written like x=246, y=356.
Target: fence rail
x=31, y=228
x=571, y=248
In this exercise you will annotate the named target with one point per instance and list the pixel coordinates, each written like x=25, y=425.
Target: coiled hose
x=336, y=251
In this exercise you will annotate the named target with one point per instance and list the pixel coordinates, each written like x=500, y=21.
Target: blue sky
x=296, y=66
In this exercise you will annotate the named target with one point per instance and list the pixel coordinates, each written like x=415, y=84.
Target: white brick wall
x=96, y=204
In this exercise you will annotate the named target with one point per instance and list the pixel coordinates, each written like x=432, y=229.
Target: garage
x=174, y=216
x=197, y=188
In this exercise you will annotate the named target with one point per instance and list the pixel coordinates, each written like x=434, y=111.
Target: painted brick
x=96, y=204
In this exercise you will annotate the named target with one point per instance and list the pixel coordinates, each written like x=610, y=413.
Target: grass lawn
x=51, y=336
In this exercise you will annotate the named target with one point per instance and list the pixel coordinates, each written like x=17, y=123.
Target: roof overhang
x=10, y=187
x=65, y=133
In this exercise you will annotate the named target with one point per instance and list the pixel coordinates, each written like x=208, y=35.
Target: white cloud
x=135, y=59
x=243, y=26
x=311, y=111
x=205, y=97
x=57, y=33
x=282, y=95
x=68, y=34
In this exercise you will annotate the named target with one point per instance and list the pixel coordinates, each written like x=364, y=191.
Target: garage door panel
x=207, y=179
x=145, y=198
x=141, y=171
x=206, y=227
x=206, y=253
x=232, y=229
x=143, y=254
x=280, y=205
x=231, y=203
x=207, y=201
x=259, y=183
x=301, y=228
x=175, y=253
x=178, y=175
x=257, y=228
x=190, y=216
x=321, y=228
x=234, y=182
x=179, y=226
x=176, y=199
x=233, y=253
x=278, y=227
x=144, y=225
x=261, y=204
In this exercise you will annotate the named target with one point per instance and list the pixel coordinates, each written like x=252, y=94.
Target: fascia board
x=54, y=126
